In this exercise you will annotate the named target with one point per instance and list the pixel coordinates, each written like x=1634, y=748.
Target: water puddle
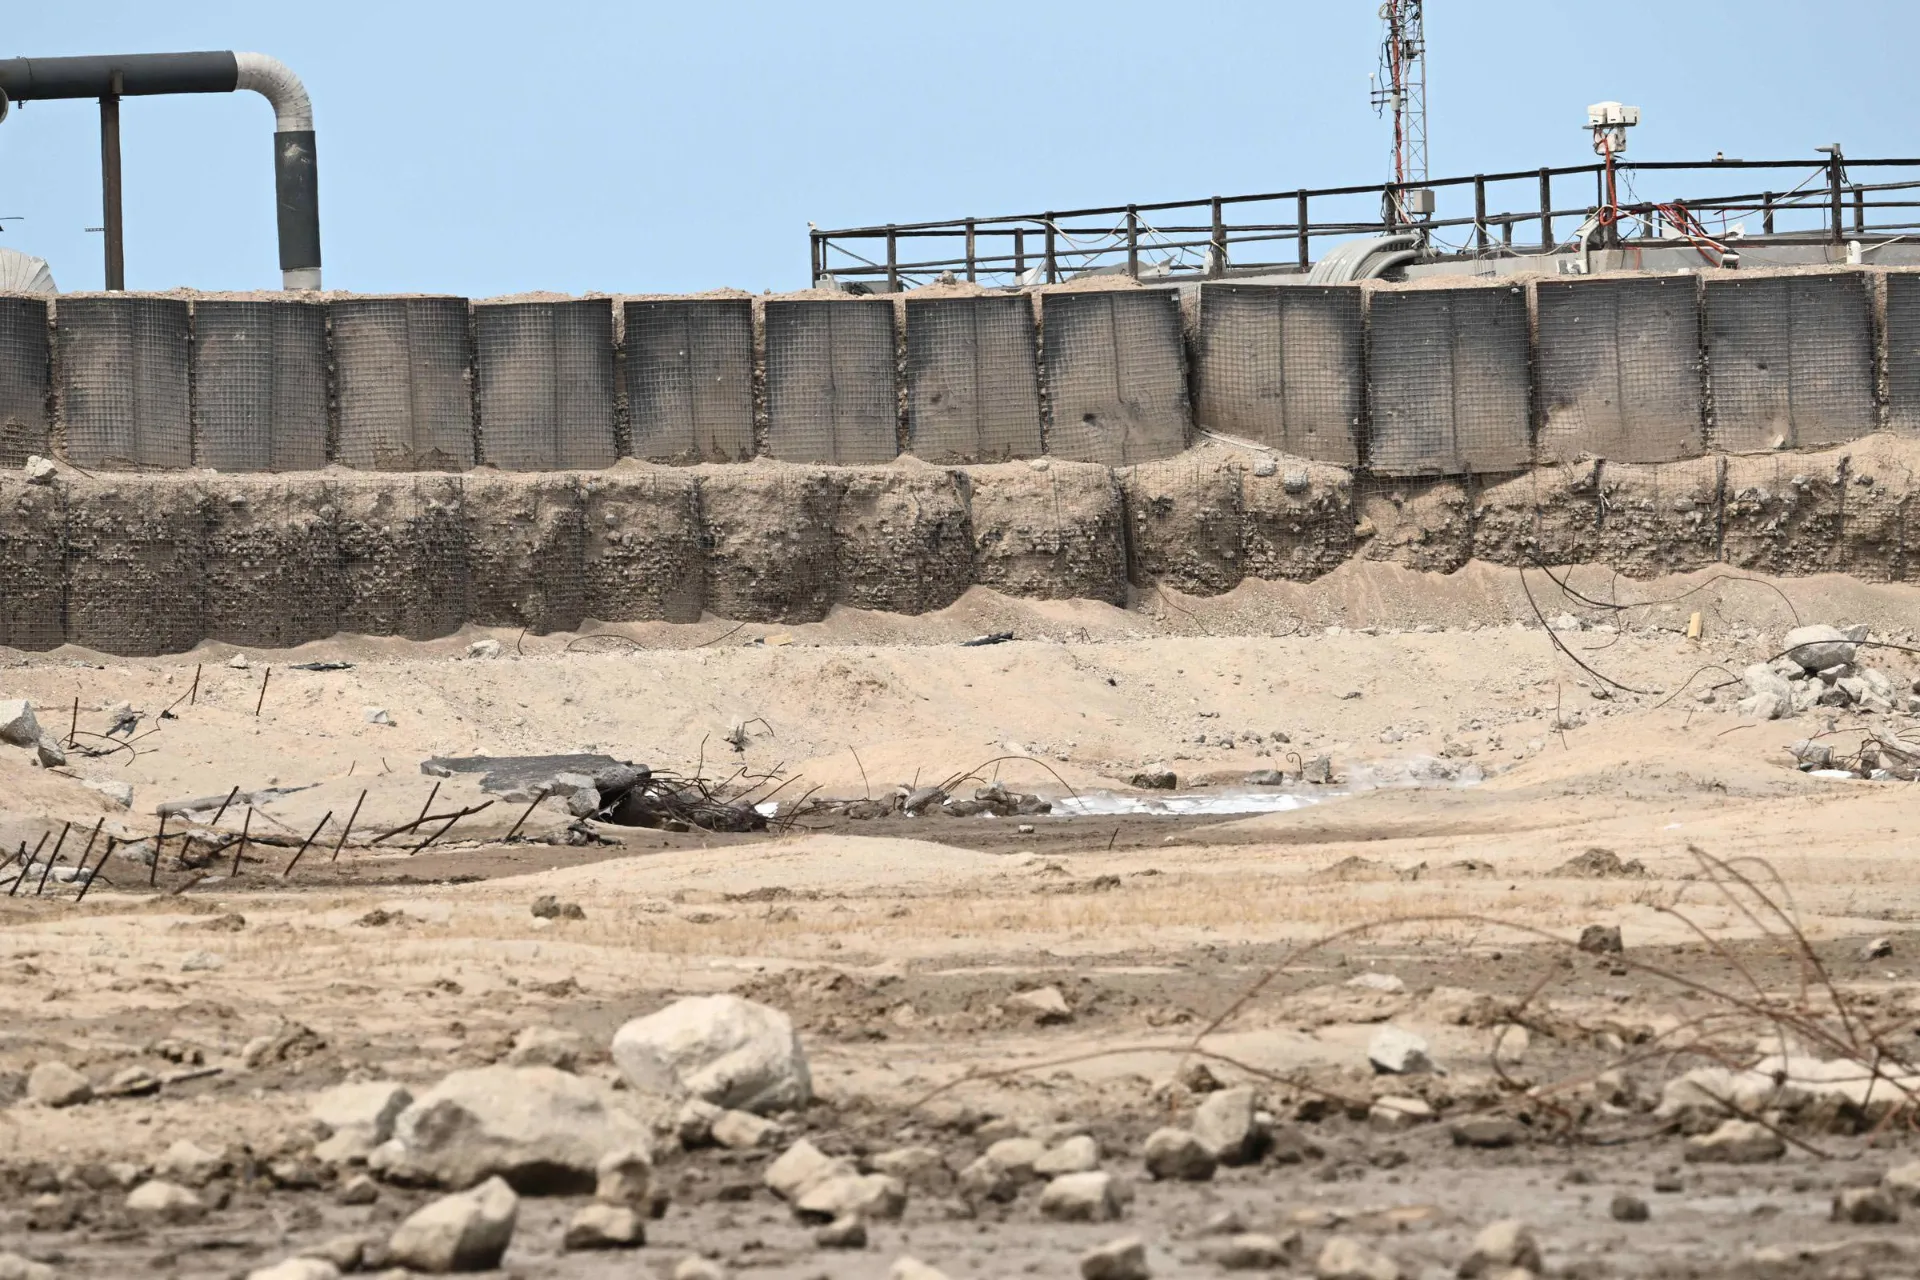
x=1109, y=804
x=1377, y=775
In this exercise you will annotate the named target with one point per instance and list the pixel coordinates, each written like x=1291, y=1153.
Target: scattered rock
x=1384, y=982
x=1046, y=1005
x=358, y=1190
x=1878, y=949
x=1736, y=1142
x=800, y=1167
x=698, y=1268
x=1176, y=1154
x=377, y=715
x=55, y=1084
x=1763, y=681
x=344, y=1253
x=1393, y=1051
x=548, y=907
x=546, y=1047
x=39, y=470
x=1255, y=1251
x=1227, y=1124
x=17, y=723
x=484, y=649
x=162, y=1201
x=1224, y=1222
x=744, y=1131
x=1159, y=778
x=1345, y=1258
x=1488, y=1132
x=49, y=754
x=920, y=1168
x=1601, y=940
x=297, y=1269
x=1904, y=1182
x=988, y=1179
x=1264, y=778
x=694, y=1124
x=15, y=1267
x=239, y=662
x=914, y=1269
x=624, y=1177
x=872, y=1197
x=1506, y=1243
x=604, y=1226
x=1629, y=1208
x=466, y=1231
x=1865, y=1206
x=190, y=1163
x=1394, y=1114
x=1018, y=1156
x=118, y=794
x=1082, y=1197
x=539, y=1128
x=1078, y=1154
x=358, y=1118
x=203, y=962
x=730, y=1051
x=1124, y=1259
x=842, y=1233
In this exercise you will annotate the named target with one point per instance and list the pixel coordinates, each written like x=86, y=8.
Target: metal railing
x=1822, y=201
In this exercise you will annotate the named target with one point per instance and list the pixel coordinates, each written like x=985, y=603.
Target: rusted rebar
x=303, y=846
x=346, y=830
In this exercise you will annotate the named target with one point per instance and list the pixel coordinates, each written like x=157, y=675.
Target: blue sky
x=484, y=147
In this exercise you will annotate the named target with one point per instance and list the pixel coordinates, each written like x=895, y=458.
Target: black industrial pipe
x=295, y=175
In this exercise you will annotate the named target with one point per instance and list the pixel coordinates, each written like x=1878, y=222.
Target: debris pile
x=995, y=800
x=604, y=789
x=1817, y=668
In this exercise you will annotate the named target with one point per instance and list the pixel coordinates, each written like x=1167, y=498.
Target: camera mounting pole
x=114, y=76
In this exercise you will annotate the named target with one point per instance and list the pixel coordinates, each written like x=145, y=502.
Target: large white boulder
x=543, y=1130
x=468, y=1231
x=723, y=1049
x=1818, y=647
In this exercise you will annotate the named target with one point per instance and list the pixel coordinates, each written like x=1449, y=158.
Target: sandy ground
x=897, y=943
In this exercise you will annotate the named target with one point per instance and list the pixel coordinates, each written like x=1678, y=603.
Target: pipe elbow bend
x=275, y=81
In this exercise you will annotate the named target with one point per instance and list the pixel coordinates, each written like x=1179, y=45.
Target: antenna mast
x=1402, y=89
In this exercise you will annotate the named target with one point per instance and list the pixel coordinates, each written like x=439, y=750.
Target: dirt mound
x=1600, y=864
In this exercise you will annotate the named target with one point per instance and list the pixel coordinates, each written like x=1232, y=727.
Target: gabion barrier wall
x=1790, y=360
x=123, y=361
x=404, y=371
x=689, y=379
x=1115, y=368
x=546, y=384
x=1281, y=364
x=1619, y=372
x=973, y=383
x=156, y=563
x=1447, y=380
x=830, y=382
x=1903, y=351
x=260, y=386
x=1403, y=381
x=26, y=370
